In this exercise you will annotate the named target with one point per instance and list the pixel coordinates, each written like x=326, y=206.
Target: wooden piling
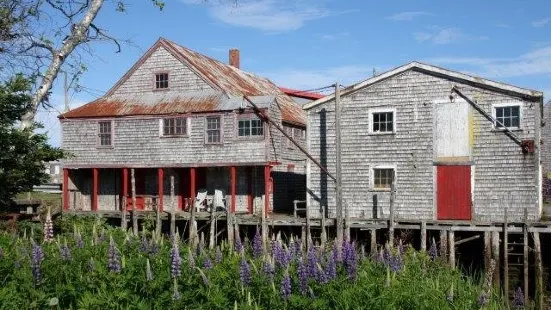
x=231, y=234
x=347, y=223
x=391, y=220
x=158, y=222
x=487, y=249
x=212, y=231
x=496, y=257
x=308, y=231
x=134, y=214
x=323, y=227
x=423, y=236
x=539, y=271
x=264, y=229
x=525, y=254
x=373, y=233
x=505, y=253
x=172, y=207
x=451, y=248
x=124, y=223
x=443, y=244
x=192, y=226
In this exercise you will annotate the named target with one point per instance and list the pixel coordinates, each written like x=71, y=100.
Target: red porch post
x=124, y=186
x=232, y=188
x=161, y=187
x=192, y=186
x=65, y=189
x=95, y=173
x=267, y=170
x=250, y=189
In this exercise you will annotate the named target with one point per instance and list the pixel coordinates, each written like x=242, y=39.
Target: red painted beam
x=267, y=189
x=233, y=186
x=250, y=189
x=161, y=187
x=95, y=173
x=125, y=186
x=65, y=189
x=192, y=177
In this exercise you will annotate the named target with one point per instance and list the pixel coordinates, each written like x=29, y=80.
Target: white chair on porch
x=200, y=200
x=219, y=200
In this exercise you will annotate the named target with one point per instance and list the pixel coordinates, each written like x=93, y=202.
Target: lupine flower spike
x=257, y=244
x=244, y=272
x=518, y=299
x=175, y=261
x=48, y=227
x=37, y=257
x=433, y=251
x=114, y=257
x=286, y=286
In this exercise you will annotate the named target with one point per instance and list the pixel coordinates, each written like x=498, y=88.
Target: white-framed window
x=213, y=129
x=174, y=126
x=382, y=177
x=251, y=127
x=507, y=115
x=56, y=169
x=382, y=121
x=105, y=133
x=161, y=80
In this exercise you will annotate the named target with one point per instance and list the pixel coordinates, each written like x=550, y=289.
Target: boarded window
x=214, y=130
x=382, y=178
x=174, y=126
x=104, y=133
x=382, y=122
x=250, y=127
x=507, y=116
x=161, y=80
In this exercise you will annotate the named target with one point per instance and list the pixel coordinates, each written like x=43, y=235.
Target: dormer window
x=161, y=80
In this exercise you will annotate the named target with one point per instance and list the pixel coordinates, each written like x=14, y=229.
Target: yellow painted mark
x=471, y=128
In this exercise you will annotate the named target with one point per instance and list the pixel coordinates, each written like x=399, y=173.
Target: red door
x=453, y=188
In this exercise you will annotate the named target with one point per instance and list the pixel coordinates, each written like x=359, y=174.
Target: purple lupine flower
x=78, y=241
x=114, y=257
x=16, y=264
x=153, y=247
x=312, y=262
x=302, y=277
x=518, y=299
x=218, y=256
x=351, y=262
x=175, y=261
x=338, y=257
x=483, y=299
x=205, y=279
x=48, y=228
x=269, y=270
x=321, y=276
x=298, y=249
x=387, y=255
x=257, y=245
x=207, y=264
x=286, y=286
x=433, y=251
x=332, y=267
x=37, y=256
x=396, y=262
x=148, y=272
x=244, y=272
x=238, y=244
x=65, y=252
x=144, y=245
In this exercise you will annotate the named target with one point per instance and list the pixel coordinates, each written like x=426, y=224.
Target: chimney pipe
x=234, y=58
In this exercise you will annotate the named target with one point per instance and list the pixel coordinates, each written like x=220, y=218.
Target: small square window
x=161, y=80
x=507, y=116
x=383, y=178
x=105, y=135
x=174, y=126
x=250, y=127
x=214, y=130
x=382, y=122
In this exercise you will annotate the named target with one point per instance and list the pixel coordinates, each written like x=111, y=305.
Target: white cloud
x=535, y=62
x=541, y=22
x=335, y=36
x=266, y=15
x=408, y=16
x=440, y=36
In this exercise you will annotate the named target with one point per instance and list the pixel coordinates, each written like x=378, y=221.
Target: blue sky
x=306, y=44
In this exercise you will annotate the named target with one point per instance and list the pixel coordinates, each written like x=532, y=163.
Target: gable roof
x=430, y=69
x=222, y=77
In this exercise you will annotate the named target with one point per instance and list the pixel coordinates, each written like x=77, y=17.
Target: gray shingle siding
x=503, y=176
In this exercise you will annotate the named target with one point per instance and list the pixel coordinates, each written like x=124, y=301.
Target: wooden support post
x=95, y=186
x=451, y=247
x=192, y=189
x=347, y=223
x=173, y=207
x=505, y=254
x=134, y=214
x=323, y=227
x=308, y=231
x=250, y=199
x=267, y=189
x=487, y=249
x=423, y=236
x=443, y=244
x=539, y=271
x=391, y=220
x=496, y=257
x=233, y=186
x=526, y=258
x=212, y=233
x=161, y=187
x=65, y=196
x=373, y=233
x=229, y=223
x=264, y=231
x=192, y=228
x=338, y=166
x=124, y=223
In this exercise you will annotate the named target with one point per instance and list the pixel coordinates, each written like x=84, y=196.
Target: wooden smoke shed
x=180, y=114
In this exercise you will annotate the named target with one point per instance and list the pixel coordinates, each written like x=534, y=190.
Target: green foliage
x=23, y=152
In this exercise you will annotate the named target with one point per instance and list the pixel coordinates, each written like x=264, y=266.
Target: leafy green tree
x=22, y=152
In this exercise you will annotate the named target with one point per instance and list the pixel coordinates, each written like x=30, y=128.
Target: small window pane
x=382, y=178
x=383, y=122
x=161, y=80
x=104, y=133
x=507, y=116
x=213, y=130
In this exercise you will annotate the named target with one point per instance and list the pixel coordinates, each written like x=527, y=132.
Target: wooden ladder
x=516, y=259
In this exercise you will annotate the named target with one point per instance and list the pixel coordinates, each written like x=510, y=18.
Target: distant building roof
x=227, y=79
x=301, y=94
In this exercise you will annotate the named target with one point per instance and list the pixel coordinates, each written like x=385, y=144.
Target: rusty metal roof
x=301, y=93
x=225, y=78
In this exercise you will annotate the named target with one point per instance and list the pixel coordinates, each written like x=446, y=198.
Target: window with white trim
x=383, y=178
x=174, y=126
x=382, y=122
x=507, y=116
x=214, y=129
x=105, y=134
x=250, y=127
x=161, y=80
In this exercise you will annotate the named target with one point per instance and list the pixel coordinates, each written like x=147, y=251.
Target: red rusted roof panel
x=301, y=94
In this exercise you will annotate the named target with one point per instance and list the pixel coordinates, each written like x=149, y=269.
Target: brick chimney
x=234, y=58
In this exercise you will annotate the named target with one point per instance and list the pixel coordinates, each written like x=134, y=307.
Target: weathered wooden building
x=178, y=113
x=456, y=147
